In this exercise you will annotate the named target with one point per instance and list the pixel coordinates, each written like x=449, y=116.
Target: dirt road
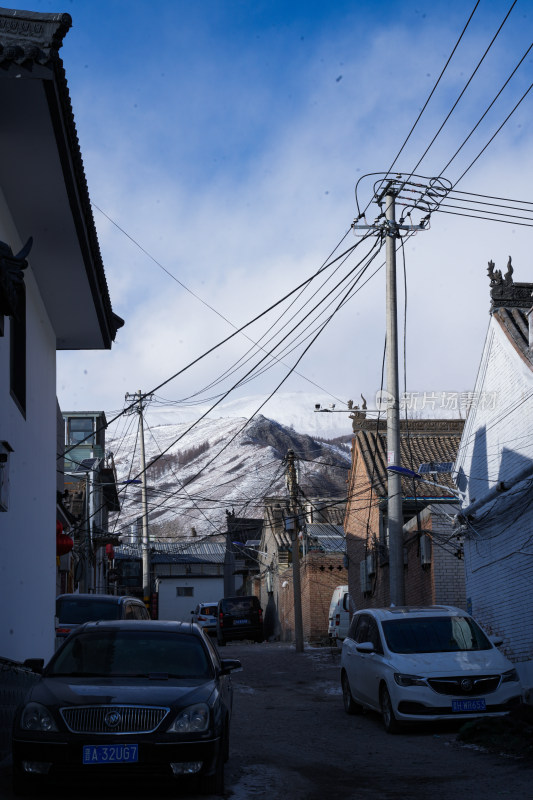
x=292, y=738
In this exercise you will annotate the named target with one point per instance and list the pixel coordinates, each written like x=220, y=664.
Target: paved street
x=291, y=738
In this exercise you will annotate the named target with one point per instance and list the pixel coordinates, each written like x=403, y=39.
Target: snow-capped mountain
x=220, y=464
x=293, y=409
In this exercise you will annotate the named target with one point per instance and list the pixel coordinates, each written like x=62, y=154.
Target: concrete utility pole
x=294, y=530
x=145, y=546
x=394, y=505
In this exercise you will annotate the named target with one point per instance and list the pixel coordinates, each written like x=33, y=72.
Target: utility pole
x=294, y=530
x=392, y=229
x=145, y=545
x=394, y=504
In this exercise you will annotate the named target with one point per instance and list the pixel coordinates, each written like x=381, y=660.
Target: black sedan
x=126, y=700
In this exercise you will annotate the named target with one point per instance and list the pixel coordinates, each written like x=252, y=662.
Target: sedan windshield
x=434, y=635
x=153, y=654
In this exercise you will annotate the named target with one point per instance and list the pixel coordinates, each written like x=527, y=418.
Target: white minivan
x=339, y=615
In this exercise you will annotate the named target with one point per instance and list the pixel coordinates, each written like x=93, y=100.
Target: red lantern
x=110, y=552
x=64, y=543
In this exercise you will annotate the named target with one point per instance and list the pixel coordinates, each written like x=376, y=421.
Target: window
x=17, y=351
x=184, y=591
x=80, y=429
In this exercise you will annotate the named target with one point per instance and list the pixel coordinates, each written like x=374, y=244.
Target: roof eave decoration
x=504, y=292
x=31, y=37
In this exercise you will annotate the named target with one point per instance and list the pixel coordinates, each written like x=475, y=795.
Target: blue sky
x=226, y=138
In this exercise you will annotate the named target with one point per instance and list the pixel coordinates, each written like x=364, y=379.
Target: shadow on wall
x=270, y=619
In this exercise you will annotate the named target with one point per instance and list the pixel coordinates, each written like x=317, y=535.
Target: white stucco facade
x=27, y=528
x=497, y=451
x=54, y=296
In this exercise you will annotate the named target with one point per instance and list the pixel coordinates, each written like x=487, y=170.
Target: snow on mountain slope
x=221, y=464
x=293, y=409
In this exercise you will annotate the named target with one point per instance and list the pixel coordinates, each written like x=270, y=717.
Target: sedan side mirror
x=35, y=664
x=228, y=665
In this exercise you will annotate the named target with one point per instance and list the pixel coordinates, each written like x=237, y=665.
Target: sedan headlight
x=510, y=675
x=409, y=680
x=194, y=719
x=36, y=717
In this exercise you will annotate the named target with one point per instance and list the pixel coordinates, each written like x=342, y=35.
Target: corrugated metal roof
x=176, y=553
x=326, y=537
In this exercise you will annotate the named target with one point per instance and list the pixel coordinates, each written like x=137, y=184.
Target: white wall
x=27, y=529
x=499, y=543
x=205, y=590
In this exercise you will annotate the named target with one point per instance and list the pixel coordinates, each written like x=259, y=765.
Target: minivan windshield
x=434, y=635
x=77, y=610
x=239, y=605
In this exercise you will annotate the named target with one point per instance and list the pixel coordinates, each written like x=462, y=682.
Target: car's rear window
x=132, y=653
x=78, y=610
x=434, y=635
x=239, y=605
x=209, y=611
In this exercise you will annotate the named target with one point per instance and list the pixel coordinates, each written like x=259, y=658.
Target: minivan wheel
x=350, y=706
x=390, y=722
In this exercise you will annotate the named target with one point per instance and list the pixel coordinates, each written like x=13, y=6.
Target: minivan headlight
x=510, y=675
x=36, y=717
x=409, y=680
x=193, y=719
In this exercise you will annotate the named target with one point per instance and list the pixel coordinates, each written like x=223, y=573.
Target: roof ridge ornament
x=504, y=292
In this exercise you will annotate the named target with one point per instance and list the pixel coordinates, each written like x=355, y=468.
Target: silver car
x=205, y=615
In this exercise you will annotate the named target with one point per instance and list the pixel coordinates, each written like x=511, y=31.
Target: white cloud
x=237, y=171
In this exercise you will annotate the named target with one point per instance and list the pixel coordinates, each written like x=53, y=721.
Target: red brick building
x=433, y=572
x=322, y=567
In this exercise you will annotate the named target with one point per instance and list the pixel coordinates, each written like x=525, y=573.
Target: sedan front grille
x=113, y=719
x=467, y=685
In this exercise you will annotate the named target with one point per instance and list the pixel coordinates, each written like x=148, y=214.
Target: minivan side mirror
x=364, y=647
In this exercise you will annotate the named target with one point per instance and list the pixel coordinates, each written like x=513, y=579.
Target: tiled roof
x=514, y=323
x=29, y=43
x=421, y=441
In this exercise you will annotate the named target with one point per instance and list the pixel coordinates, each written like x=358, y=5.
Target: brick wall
x=319, y=575
x=441, y=581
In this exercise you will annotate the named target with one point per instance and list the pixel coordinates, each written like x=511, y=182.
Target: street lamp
x=409, y=473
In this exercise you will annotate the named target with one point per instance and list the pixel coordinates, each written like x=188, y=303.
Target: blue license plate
x=464, y=706
x=110, y=753
x=241, y=622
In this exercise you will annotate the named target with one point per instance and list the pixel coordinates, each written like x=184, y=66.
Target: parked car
x=422, y=664
x=205, y=615
x=74, y=609
x=339, y=615
x=126, y=700
x=239, y=618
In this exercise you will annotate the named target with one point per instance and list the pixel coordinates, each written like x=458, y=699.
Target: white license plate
x=464, y=706
x=110, y=753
